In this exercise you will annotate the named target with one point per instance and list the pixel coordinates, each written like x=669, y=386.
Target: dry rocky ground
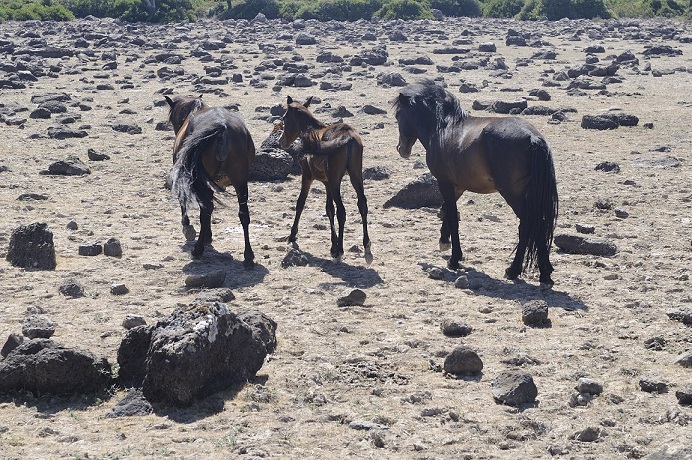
x=359, y=382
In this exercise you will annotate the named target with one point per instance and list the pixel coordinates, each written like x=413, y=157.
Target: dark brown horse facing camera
x=483, y=155
x=331, y=151
x=213, y=149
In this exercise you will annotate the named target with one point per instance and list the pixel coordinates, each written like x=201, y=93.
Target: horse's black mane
x=432, y=98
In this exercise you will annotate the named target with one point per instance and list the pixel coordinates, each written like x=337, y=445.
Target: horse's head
x=407, y=125
x=181, y=107
x=293, y=121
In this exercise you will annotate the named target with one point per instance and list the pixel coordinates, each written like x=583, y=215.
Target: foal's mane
x=184, y=106
x=430, y=100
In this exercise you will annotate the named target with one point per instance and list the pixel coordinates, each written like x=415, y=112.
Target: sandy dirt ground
x=378, y=363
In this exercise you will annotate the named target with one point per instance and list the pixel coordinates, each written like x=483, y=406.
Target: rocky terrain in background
x=399, y=359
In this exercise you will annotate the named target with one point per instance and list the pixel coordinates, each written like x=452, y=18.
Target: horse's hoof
x=444, y=247
x=196, y=254
x=294, y=244
x=453, y=265
x=546, y=286
x=249, y=264
x=336, y=259
x=511, y=274
x=368, y=258
x=189, y=232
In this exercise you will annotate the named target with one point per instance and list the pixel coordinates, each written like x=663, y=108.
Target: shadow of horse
x=518, y=290
x=237, y=274
x=350, y=275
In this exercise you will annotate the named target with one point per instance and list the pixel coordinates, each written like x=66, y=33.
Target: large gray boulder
x=42, y=366
x=422, y=192
x=31, y=246
x=199, y=349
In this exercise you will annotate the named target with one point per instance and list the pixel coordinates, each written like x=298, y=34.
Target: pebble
x=112, y=248
x=354, y=297
x=70, y=288
x=586, y=385
x=514, y=388
x=535, y=313
x=653, y=385
x=685, y=359
x=90, y=249
x=452, y=327
x=38, y=327
x=463, y=361
x=588, y=434
x=684, y=395
x=462, y=282
x=213, y=279
x=119, y=289
x=13, y=341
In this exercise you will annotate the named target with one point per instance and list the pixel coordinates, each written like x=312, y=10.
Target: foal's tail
x=541, y=202
x=191, y=183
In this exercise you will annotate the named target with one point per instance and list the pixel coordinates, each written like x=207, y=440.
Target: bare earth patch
x=361, y=381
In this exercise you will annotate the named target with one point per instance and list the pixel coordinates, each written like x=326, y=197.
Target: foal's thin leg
x=330, y=215
x=341, y=218
x=306, y=182
x=357, y=182
x=450, y=215
x=244, y=215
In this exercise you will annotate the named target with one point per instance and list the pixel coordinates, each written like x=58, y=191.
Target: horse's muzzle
x=403, y=151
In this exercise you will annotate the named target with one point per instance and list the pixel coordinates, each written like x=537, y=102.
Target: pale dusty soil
x=336, y=365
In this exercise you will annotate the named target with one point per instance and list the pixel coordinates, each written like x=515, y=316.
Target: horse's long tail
x=191, y=183
x=541, y=202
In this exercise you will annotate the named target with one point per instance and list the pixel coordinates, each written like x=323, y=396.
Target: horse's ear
x=289, y=100
x=307, y=102
x=200, y=96
x=169, y=100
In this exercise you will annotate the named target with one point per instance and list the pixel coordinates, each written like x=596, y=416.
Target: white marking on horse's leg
x=337, y=260
x=368, y=254
x=189, y=232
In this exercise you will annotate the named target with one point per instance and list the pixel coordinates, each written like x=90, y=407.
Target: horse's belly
x=318, y=167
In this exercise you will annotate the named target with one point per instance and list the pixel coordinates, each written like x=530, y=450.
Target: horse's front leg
x=445, y=244
x=306, y=182
x=244, y=216
x=449, y=206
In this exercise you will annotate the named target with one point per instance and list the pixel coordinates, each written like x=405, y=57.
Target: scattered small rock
x=463, y=361
x=586, y=385
x=653, y=385
x=588, y=434
x=90, y=249
x=213, y=279
x=119, y=289
x=535, y=313
x=13, y=341
x=684, y=395
x=113, y=248
x=514, y=388
x=452, y=327
x=38, y=327
x=573, y=244
x=31, y=246
x=132, y=320
x=71, y=288
x=355, y=297
x=294, y=258
x=133, y=404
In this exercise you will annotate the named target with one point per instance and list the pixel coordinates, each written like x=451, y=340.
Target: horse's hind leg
x=514, y=270
x=188, y=230
x=204, y=228
x=329, y=208
x=545, y=267
x=357, y=182
x=244, y=215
